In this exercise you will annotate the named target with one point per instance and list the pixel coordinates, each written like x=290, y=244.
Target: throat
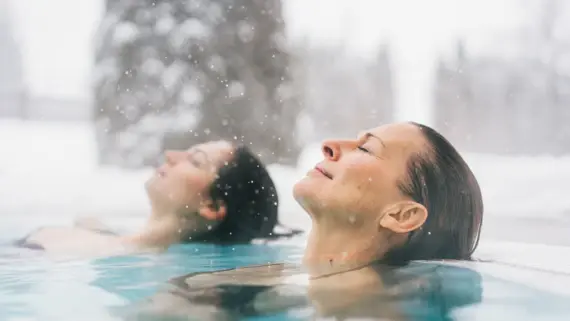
x=332, y=253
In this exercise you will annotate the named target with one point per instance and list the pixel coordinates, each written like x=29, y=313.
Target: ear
x=213, y=211
x=404, y=217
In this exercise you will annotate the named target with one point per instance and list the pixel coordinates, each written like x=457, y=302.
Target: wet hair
x=441, y=180
x=250, y=197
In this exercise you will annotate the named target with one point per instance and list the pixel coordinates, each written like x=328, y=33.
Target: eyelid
x=367, y=151
x=194, y=161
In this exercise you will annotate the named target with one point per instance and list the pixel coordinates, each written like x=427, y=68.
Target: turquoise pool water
x=33, y=287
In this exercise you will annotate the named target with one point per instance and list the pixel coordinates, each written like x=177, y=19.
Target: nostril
x=328, y=151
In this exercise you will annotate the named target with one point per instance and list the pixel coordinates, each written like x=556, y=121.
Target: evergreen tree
x=170, y=74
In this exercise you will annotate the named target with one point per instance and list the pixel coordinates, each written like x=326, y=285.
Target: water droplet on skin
x=352, y=219
x=370, y=179
x=344, y=255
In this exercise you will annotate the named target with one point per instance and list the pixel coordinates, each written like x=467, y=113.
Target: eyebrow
x=368, y=135
x=199, y=151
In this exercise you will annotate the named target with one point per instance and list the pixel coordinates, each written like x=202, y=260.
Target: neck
x=161, y=230
x=333, y=249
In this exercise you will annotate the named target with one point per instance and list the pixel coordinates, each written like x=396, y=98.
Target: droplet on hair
x=230, y=233
x=209, y=227
x=352, y=219
x=429, y=233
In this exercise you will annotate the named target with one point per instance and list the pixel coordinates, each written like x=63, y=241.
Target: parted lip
x=320, y=169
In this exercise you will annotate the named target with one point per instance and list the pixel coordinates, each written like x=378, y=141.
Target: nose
x=331, y=150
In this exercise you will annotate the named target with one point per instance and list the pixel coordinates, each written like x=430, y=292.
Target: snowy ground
x=48, y=175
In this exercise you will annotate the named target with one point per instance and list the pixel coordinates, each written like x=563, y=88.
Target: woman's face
x=358, y=179
x=181, y=184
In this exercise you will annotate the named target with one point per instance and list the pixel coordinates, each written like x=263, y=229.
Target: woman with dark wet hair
x=214, y=192
x=397, y=193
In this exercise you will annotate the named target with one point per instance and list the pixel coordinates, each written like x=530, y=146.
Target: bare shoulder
x=71, y=240
x=92, y=223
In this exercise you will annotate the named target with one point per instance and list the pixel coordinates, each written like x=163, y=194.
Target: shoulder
x=70, y=240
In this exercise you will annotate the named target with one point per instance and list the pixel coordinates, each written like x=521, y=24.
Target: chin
x=153, y=191
x=303, y=189
x=148, y=184
x=310, y=194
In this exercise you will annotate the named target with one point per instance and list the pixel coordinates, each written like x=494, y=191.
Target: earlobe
x=404, y=217
x=213, y=212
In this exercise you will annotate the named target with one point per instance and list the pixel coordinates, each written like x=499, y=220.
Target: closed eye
x=193, y=161
x=367, y=151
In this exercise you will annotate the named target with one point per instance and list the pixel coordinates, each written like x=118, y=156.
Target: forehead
x=217, y=151
x=400, y=138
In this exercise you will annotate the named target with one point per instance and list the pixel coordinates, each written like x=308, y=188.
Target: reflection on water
x=137, y=288
x=422, y=291
x=134, y=277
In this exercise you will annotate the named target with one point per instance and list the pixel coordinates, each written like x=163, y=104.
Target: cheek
x=186, y=187
x=372, y=185
x=360, y=174
x=196, y=185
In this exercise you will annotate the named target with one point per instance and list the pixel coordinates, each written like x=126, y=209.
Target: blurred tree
x=344, y=93
x=170, y=74
x=512, y=104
